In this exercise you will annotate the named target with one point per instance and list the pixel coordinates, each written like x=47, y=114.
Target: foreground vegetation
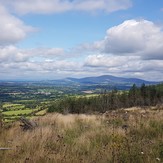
x=128, y=136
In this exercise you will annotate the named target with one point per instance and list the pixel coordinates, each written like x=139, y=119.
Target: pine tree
x=133, y=95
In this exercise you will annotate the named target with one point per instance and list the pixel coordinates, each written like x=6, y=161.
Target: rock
x=27, y=124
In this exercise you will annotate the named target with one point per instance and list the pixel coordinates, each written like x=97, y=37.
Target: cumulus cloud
x=12, y=29
x=133, y=38
x=39, y=70
x=45, y=53
x=129, y=66
x=107, y=61
x=57, y=6
x=22, y=66
x=37, y=63
x=132, y=49
x=123, y=63
x=120, y=63
x=9, y=54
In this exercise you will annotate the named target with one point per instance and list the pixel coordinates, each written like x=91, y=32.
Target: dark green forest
x=136, y=97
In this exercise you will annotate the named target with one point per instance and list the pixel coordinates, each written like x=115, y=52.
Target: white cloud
x=106, y=5
x=12, y=29
x=114, y=63
x=93, y=65
x=129, y=66
x=131, y=49
x=39, y=70
x=9, y=54
x=57, y=6
x=108, y=61
x=133, y=38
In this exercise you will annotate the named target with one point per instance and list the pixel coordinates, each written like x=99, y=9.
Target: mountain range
x=104, y=82
x=108, y=79
x=108, y=82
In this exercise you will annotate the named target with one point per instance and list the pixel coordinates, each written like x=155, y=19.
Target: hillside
x=116, y=136
x=107, y=82
x=110, y=79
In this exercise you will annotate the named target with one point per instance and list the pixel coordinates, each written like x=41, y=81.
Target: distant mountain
x=108, y=79
x=87, y=84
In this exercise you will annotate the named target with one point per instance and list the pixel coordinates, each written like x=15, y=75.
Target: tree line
x=136, y=97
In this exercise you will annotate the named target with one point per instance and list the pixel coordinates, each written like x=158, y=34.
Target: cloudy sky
x=52, y=39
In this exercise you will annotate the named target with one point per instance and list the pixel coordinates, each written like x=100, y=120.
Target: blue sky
x=51, y=39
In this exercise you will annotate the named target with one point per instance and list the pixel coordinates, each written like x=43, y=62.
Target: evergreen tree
x=133, y=95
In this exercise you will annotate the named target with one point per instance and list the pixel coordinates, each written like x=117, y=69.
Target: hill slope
x=109, y=79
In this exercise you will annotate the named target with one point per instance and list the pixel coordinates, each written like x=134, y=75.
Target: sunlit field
x=129, y=135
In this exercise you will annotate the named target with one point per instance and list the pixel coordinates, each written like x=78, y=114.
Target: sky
x=55, y=39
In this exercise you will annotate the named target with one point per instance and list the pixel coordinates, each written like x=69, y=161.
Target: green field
x=42, y=112
x=17, y=112
x=11, y=111
x=10, y=106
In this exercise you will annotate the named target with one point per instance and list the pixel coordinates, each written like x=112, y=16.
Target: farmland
x=12, y=112
x=26, y=99
x=32, y=99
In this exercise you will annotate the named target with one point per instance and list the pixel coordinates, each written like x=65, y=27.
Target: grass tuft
x=113, y=137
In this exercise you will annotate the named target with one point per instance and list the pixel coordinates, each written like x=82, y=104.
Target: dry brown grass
x=135, y=136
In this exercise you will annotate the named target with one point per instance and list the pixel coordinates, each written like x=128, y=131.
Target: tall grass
x=129, y=137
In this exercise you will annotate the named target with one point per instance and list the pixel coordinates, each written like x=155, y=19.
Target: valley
x=33, y=98
x=81, y=121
